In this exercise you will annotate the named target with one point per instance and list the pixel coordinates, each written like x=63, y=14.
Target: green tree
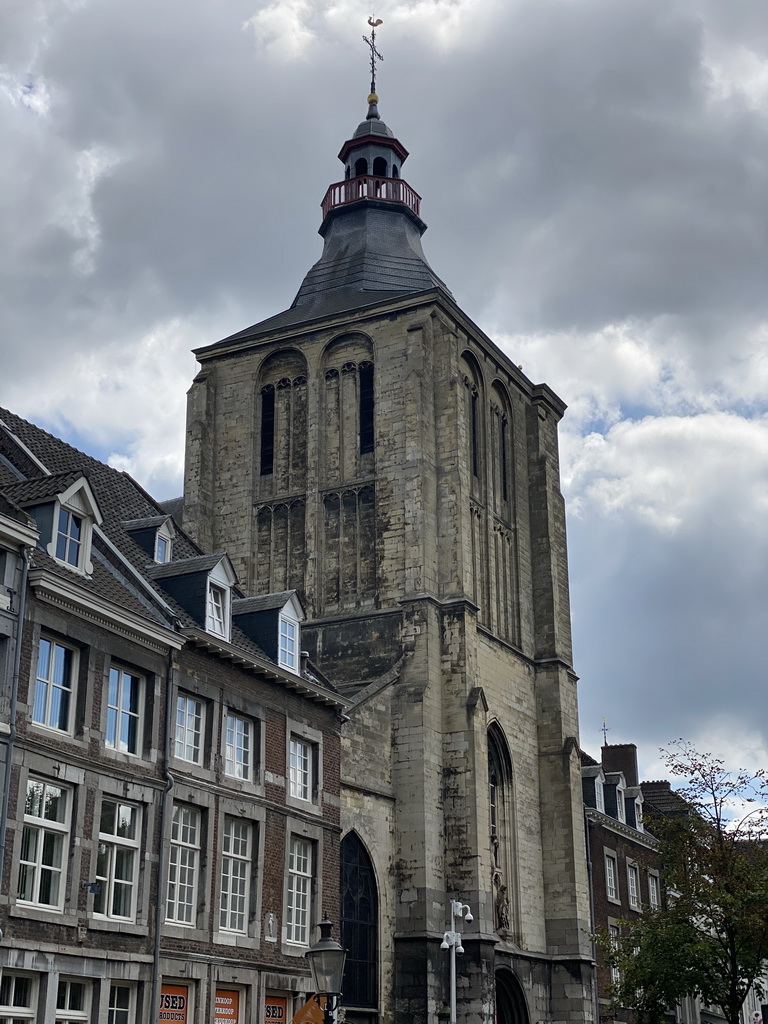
x=710, y=938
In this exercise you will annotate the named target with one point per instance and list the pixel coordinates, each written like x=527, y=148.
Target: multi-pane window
x=599, y=796
x=44, y=844
x=122, y=1004
x=17, y=998
x=288, y=636
x=611, y=877
x=238, y=747
x=189, y=728
x=653, y=892
x=54, y=685
x=72, y=1002
x=124, y=711
x=633, y=885
x=299, y=890
x=117, y=859
x=69, y=537
x=613, y=934
x=217, y=607
x=235, y=875
x=183, y=864
x=300, y=753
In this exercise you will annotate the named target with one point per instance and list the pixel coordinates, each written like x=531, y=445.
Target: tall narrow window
x=473, y=426
x=54, y=685
x=267, y=430
x=299, y=890
x=238, y=756
x=366, y=408
x=611, y=877
x=613, y=934
x=654, y=898
x=633, y=886
x=183, y=865
x=235, y=876
x=69, y=537
x=503, y=445
x=501, y=830
x=122, y=1004
x=217, y=609
x=287, y=653
x=116, y=861
x=359, y=924
x=17, y=998
x=123, y=711
x=72, y=1002
x=44, y=844
x=301, y=768
x=189, y=729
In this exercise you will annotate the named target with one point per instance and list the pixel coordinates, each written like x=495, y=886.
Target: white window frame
x=184, y=866
x=612, y=877
x=235, y=878
x=42, y=828
x=66, y=1014
x=239, y=736
x=118, y=714
x=164, y=536
x=614, y=935
x=633, y=885
x=106, y=873
x=70, y=535
x=301, y=758
x=621, y=807
x=9, y=1012
x=654, y=891
x=218, y=600
x=301, y=866
x=189, y=731
x=599, y=794
x=50, y=688
x=113, y=1011
x=639, y=814
x=288, y=642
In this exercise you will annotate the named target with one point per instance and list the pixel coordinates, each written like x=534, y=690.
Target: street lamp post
x=326, y=961
x=452, y=941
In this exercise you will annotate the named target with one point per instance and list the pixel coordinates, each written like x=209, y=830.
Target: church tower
x=372, y=448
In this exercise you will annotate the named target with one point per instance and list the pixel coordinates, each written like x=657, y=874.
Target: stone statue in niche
x=271, y=929
x=502, y=909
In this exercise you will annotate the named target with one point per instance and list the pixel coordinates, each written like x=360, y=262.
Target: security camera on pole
x=452, y=941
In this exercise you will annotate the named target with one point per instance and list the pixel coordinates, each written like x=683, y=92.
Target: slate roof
x=262, y=603
x=173, y=507
x=26, y=492
x=145, y=524
x=184, y=566
x=120, y=571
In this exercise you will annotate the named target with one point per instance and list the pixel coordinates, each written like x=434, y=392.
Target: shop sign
x=227, y=1007
x=174, y=1001
x=275, y=1010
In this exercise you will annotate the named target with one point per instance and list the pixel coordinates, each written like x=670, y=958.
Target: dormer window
x=639, y=815
x=163, y=542
x=288, y=653
x=217, y=609
x=599, y=795
x=69, y=537
x=621, y=813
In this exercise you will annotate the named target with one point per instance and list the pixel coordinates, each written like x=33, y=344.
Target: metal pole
x=452, y=942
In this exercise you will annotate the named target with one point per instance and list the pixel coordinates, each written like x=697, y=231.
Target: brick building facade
x=372, y=448
x=172, y=828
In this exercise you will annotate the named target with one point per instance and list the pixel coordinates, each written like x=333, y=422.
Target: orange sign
x=310, y=1013
x=275, y=1009
x=227, y=1007
x=174, y=1003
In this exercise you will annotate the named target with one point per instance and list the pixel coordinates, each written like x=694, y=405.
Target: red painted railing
x=366, y=186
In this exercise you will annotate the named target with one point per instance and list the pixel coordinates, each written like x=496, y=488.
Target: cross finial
x=375, y=55
x=606, y=730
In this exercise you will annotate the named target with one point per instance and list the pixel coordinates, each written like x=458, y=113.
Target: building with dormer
x=372, y=448
x=170, y=819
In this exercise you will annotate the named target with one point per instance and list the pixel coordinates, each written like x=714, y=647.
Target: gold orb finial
x=373, y=98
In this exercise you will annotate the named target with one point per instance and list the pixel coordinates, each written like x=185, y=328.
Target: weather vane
x=375, y=55
x=606, y=730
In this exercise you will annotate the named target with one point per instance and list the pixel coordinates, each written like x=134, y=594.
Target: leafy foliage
x=711, y=937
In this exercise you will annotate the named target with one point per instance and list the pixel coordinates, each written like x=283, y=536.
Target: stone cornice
x=67, y=595
x=626, y=831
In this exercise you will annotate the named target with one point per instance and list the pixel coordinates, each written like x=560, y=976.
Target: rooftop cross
x=375, y=55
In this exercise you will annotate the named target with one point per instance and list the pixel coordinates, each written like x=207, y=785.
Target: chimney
x=621, y=757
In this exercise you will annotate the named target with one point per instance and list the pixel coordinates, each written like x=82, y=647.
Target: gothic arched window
x=359, y=924
x=501, y=829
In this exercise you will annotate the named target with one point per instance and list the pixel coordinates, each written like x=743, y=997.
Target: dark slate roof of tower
x=372, y=126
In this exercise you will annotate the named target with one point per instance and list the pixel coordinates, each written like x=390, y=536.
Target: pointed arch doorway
x=511, y=1007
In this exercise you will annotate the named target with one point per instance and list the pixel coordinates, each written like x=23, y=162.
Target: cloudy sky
x=595, y=178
